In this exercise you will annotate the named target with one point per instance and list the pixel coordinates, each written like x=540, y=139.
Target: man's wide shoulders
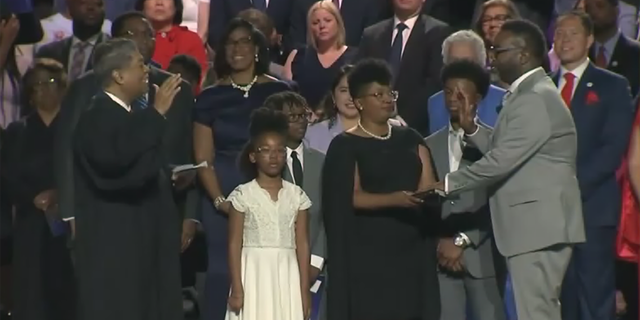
x=377, y=28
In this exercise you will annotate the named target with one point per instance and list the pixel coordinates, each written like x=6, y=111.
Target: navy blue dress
x=313, y=79
x=227, y=112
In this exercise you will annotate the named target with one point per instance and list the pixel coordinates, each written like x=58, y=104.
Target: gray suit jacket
x=468, y=212
x=529, y=165
x=312, y=160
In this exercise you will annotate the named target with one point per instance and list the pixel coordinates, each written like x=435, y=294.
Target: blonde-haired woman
x=315, y=66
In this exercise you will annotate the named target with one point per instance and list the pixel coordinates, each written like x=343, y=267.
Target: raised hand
x=166, y=93
x=466, y=112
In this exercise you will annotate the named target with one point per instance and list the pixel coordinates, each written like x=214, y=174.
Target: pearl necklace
x=245, y=88
x=385, y=137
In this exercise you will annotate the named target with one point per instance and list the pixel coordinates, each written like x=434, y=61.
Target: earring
x=257, y=58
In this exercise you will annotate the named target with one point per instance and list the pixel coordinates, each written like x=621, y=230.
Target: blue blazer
x=603, y=112
x=439, y=115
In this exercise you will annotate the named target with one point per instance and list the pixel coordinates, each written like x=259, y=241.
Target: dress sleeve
x=305, y=202
x=337, y=203
x=237, y=198
x=202, y=110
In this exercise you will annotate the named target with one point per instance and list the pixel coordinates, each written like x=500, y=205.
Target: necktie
x=77, y=63
x=456, y=150
x=395, y=56
x=141, y=103
x=297, y=168
x=601, y=58
x=567, y=90
x=260, y=5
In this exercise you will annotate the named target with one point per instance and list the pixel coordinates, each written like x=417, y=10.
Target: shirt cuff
x=317, y=262
x=69, y=219
x=466, y=239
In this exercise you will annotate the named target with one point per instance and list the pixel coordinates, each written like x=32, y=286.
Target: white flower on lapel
x=614, y=63
x=589, y=84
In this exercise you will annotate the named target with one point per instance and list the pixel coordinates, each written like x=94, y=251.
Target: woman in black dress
x=43, y=273
x=381, y=254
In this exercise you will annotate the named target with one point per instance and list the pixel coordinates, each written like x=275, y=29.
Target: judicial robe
x=128, y=235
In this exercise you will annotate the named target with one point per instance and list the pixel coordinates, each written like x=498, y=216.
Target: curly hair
x=469, y=70
x=263, y=121
x=367, y=72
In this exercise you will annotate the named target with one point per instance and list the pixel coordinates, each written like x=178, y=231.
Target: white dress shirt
x=316, y=261
x=410, y=23
x=456, y=143
x=511, y=89
x=577, y=72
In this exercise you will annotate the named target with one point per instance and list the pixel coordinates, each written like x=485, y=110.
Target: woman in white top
x=195, y=16
x=268, y=231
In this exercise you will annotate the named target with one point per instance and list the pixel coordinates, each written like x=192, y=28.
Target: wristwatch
x=460, y=240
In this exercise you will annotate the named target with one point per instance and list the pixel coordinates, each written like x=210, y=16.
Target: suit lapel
x=441, y=157
x=579, y=96
x=384, y=45
x=66, y=51
x=309, y=162
x=101, y=38
x=411, y=48
x=618, y=54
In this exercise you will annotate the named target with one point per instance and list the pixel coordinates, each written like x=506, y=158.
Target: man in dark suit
x=222, y=11
x=411, y=43
x=357, y=15
x=602, y=110
x=178, y=132
x=75, y=52
x=612, y=50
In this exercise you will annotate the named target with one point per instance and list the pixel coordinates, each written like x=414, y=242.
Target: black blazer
x=177, y=141
x=419, y=75
x=60, y=50
x=357, y=15
x=624, y=61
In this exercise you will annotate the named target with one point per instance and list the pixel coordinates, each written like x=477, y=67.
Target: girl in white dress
x=268, y=231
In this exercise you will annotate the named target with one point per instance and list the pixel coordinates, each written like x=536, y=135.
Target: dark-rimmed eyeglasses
x=393, y=95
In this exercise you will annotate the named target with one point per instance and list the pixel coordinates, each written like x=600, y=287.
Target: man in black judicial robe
x=178, y=135
x=127, y=242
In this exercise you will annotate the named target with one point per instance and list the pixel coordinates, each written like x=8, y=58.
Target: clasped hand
x=450, y=255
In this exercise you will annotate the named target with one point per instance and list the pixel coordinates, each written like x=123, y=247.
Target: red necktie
x=601, y=59
x=567, y=90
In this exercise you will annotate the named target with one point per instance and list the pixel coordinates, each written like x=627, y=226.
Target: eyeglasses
x=498, y=18
x=242, y=42
x=268, y=152
x=295, y=117
x=393, y=95
x=496, y=51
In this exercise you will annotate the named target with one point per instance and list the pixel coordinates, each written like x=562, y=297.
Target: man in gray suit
x=529, y=166
x=304, y=168
x=465, y=250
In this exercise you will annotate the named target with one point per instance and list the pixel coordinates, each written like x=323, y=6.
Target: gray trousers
x=537, y=281
x=482, y=295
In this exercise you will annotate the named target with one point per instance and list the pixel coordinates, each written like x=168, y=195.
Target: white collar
x=91, y=41
x=454, y=131
x=577, y=71
x=118, y=101
x=518, y=81
x=298, y=150
x=409, y=22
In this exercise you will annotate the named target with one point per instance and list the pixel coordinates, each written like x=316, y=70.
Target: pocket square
x=592, y=97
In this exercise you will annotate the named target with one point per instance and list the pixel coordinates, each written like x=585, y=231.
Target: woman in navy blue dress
x=221, y=116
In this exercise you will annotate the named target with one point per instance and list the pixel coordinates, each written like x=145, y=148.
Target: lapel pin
x=614, y=63
x=589, y=84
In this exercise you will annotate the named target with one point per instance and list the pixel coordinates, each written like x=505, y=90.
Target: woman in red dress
x=628, y=240
x=171, y=39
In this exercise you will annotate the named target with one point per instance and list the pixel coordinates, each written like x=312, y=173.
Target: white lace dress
x=270, y=273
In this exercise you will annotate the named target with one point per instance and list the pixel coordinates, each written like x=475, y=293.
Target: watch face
x=458, y=241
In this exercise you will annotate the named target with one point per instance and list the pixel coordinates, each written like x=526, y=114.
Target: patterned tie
x=141, y=103
x=297, y=168
x=601, y=58
x=567, y=90
x=260, y=5
x=395, y=56
x=77, y=63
